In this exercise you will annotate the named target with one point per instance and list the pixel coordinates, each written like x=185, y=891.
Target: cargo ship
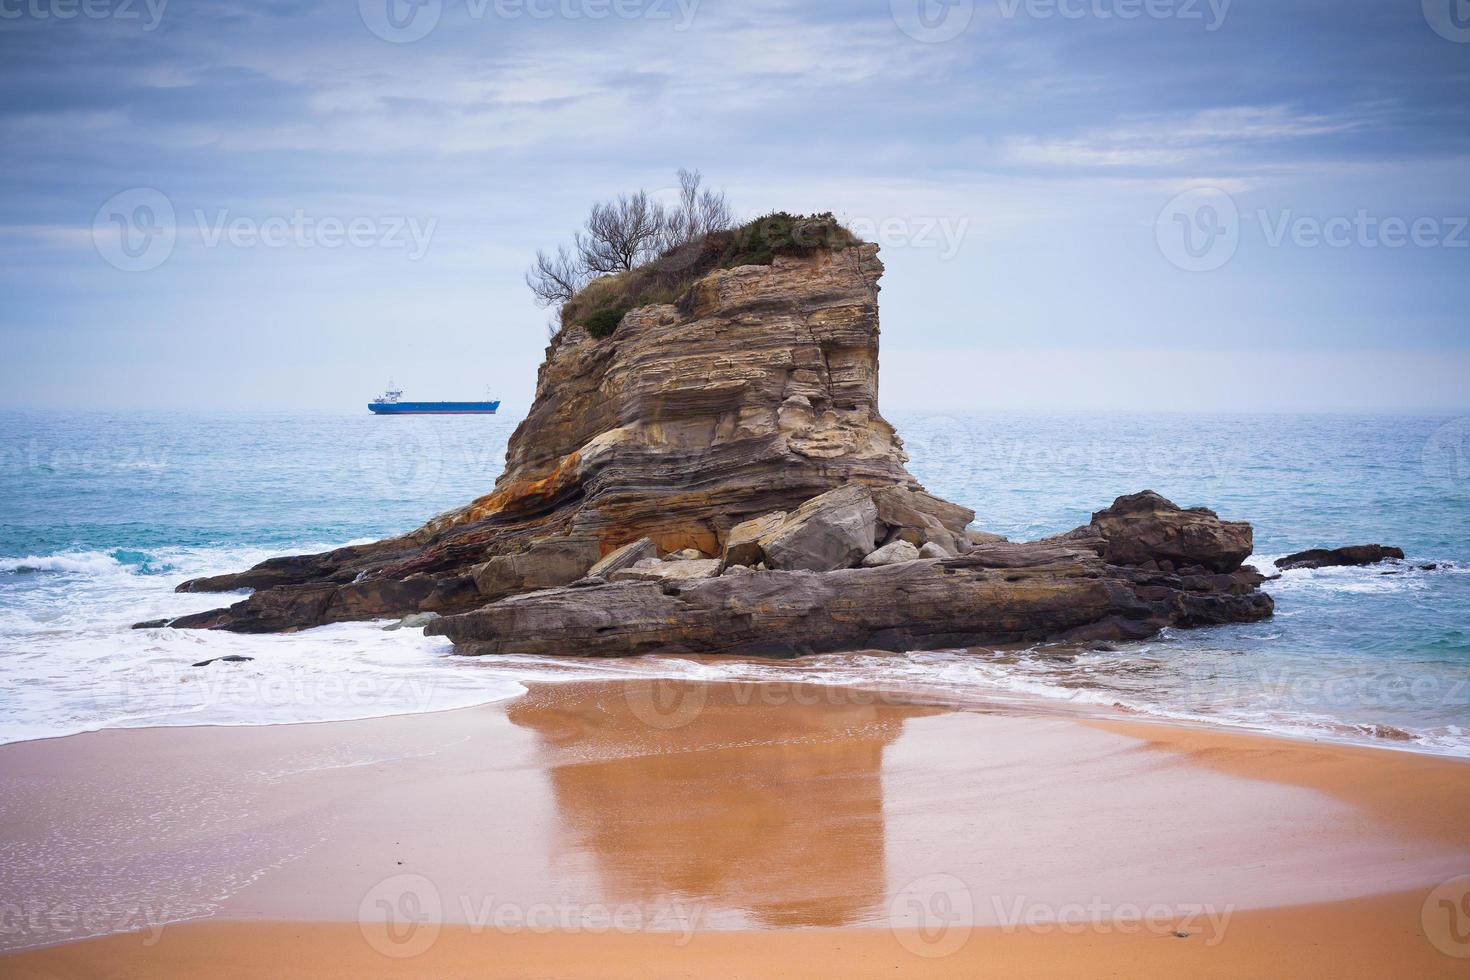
x=391, y=402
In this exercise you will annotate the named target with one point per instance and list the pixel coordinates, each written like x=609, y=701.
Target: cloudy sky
x=1154, y=204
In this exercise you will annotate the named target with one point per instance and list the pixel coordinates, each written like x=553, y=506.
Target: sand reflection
x=761, y=799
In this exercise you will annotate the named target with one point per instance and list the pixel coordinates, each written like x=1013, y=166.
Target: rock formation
x=737, y=431
x=1060, y=589
x=1356, y=554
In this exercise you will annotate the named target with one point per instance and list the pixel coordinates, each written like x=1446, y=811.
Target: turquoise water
x=102, y=514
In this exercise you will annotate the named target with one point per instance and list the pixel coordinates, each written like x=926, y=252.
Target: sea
x=102, y=514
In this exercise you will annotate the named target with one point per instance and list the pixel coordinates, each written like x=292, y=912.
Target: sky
x=1197, y=205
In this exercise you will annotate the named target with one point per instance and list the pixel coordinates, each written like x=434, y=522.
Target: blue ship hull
x=433, y=408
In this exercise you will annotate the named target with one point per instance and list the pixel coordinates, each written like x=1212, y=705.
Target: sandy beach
x=679, y=828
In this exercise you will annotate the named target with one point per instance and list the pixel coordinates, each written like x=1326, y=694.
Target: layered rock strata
x=1064, y=588
x=738, y=431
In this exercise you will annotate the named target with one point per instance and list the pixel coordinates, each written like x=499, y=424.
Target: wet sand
x=679, y=828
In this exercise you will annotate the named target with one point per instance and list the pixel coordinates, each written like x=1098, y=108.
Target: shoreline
x=728, y=809
x=1261, y=942
x=1023, y=703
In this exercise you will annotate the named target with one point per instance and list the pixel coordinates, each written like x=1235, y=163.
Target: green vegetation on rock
x=601, y=305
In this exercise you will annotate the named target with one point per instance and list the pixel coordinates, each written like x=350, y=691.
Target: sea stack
x=739, y=424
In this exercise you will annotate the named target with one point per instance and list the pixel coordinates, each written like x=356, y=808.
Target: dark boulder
x=1358, y=554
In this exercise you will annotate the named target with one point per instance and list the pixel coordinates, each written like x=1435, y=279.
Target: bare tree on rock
x=700, y=211
x=623, y=234
x=554, y=279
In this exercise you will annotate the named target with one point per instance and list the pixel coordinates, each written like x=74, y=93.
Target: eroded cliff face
x=756, y=393
x=725, y=456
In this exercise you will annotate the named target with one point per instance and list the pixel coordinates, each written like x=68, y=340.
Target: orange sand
x=680, y=829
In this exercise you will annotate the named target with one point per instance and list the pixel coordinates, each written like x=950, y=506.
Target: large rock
x=1144, y=527
x=833, y=530
x=653, y=570
x=754, y=393
x=743, y=544
x=999, y=593
x=892, y=553
x=920, y=518
x=1356, y=554
x=546, y=563
x=625, y=557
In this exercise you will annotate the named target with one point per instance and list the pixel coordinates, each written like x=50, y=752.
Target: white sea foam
x=72, y=663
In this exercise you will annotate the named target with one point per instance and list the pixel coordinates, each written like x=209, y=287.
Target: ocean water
x=102, y=514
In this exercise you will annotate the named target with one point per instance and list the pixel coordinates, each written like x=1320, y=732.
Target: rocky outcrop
x=998, y=593
x=1357, y=554
x=892, y=553
x=921, y=518
x=737, y=431
x=757, y=392
x=627, y=556
x=834, y=530
x=653, y=570
x=1144, y=528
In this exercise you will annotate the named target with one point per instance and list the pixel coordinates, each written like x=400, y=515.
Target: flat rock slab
x=999, y=593
x=1352, y=555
